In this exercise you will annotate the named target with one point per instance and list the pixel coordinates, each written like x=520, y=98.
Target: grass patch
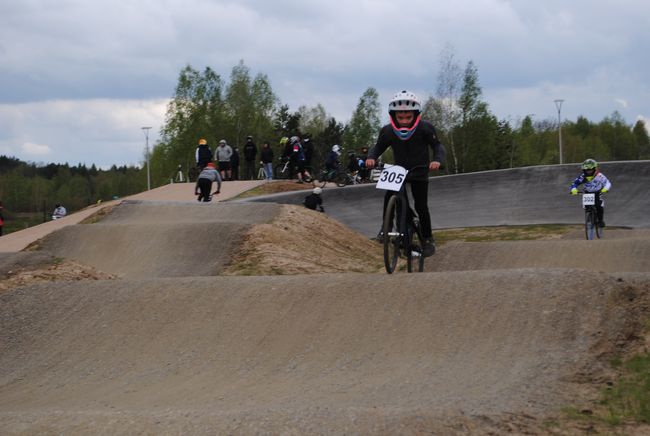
x=21, y=221
x=505, y=233
x=629, y=397
x=274, y=187
x=627, y=401
x=99, y=215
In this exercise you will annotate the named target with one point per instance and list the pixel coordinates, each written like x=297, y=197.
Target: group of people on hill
x=415, y=146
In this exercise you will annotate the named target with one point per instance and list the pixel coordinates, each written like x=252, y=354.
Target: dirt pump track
x=491, y=344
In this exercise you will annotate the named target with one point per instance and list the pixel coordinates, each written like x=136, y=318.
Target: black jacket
x=412, y=152
x=250, y=151
x=266, y=155
x=203, y=155
x=234, y=158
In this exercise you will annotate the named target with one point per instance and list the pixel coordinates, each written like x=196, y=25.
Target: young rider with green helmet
x=595, y=182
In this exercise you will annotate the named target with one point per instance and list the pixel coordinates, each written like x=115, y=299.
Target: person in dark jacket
x=411, y=139
x=203, y=154
x=234, y=164
x=266, y=155
x=250, y=154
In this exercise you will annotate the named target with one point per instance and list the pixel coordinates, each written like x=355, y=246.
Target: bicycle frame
x=592, y=223
x=401, y=229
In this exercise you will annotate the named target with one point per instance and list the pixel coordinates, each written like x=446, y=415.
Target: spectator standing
x=223, y=153
x=250, y=154
x=234, y=164
x=266, y=155
x=203, y=154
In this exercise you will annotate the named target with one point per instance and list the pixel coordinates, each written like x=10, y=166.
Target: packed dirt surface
x=260, y=318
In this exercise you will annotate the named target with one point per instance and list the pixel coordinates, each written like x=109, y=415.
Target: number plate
x=588, y=199
x=392, y=177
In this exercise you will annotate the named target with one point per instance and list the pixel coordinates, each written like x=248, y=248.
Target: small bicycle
x=337, y=176
x=592, y=224
x=401, y=227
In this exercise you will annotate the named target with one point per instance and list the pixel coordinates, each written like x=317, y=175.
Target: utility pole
x=558, y=105
x=146, y=135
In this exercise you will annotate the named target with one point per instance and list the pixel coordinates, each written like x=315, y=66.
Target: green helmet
x=589, y=164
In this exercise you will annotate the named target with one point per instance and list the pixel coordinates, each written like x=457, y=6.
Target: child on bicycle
x=595, y=182
x=332, y=159
x=410, y=138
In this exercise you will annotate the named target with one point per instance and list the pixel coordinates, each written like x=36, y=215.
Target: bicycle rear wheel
x=414, y=257
x=342, y=179
x=590, y=224
x=392, y=237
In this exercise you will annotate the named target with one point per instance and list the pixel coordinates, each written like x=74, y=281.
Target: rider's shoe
x=300, y=181
x=428, y=248
x=380, y=237
x=601, y=223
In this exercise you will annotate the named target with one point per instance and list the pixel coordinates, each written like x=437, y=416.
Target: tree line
x=28, y=188
x=204, y=105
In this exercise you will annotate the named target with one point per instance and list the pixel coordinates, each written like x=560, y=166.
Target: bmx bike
x=593, y=229
x=402, y=235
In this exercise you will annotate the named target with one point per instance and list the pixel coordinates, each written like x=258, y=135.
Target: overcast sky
x=78, y=79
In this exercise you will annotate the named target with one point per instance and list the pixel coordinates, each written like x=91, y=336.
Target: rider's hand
x=604, y=191
x=574, y=191
x=434, y=165
x=370, y=163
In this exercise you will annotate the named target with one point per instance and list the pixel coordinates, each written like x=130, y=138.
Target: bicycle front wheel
x=278, y=172
x=599, y=230
x=392, y=237
x=590, y=224
x=414, y=257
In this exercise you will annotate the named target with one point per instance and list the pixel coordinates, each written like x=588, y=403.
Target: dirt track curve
x=494, y=337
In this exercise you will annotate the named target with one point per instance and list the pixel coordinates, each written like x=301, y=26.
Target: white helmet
x=336, y=149
x=405, y=101
x=317, y=190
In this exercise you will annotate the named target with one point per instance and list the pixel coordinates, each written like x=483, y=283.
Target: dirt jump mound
x=140, y=239
x=349, y=353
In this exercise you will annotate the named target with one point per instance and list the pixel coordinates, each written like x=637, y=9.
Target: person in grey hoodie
x=223, y=154
x=204, y=182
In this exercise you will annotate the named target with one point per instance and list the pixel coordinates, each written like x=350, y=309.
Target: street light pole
x=558, y=105
x=146, y=135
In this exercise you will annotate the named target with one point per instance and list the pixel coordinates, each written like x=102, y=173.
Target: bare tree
x=450, y=79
